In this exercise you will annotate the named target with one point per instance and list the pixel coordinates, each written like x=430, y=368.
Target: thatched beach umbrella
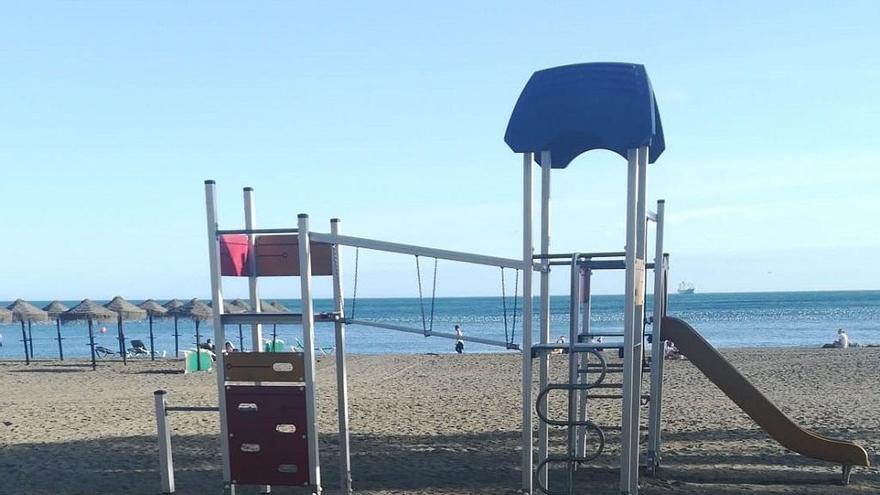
x=24, y=311
x=238, y=306
x=5, y=315
x=124, y=311
x=154, y=310
x=171, y=306
x=273, y=307
x=198, y=312
x=89, y=311
x=55, y=308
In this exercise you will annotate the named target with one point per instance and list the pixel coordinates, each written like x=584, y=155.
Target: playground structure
x=269, y=434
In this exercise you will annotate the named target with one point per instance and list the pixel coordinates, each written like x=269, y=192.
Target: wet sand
x=425, y=424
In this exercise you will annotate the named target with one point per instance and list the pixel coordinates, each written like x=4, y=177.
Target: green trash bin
x=206, y=361
x=276, y=346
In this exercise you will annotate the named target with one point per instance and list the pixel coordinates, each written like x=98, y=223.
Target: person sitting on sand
x=560, y=340
x=670, y=351
x=459, y=343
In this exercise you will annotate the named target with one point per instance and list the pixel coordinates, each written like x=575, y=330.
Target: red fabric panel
x=234, y=254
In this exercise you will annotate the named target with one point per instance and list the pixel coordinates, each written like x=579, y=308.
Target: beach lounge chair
x=138, y=348
x=102, y=352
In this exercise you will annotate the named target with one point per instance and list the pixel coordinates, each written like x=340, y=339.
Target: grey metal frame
x=341, y=368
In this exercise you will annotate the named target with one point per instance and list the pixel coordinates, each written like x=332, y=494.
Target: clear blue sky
x=390, y=115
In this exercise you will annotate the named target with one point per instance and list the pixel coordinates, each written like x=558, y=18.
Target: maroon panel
x=278, y=256
x=279, y=451
x=234, y=250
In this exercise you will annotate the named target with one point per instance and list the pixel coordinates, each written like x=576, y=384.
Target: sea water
x=725, y=319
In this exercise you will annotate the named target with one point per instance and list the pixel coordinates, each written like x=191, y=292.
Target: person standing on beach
x=459, y=344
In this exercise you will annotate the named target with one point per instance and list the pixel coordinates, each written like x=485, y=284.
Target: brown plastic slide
x=752, y=401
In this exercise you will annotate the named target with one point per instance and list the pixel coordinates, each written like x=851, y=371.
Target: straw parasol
x=5, y=315
x=124, y=311
x=198, y=312
x=55, y=308
x=171, y=306
x=89, y=311
x=154, y=310
x=238, y=306
x=24, y=311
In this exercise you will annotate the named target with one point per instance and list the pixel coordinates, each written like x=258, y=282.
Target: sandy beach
x=433, y=424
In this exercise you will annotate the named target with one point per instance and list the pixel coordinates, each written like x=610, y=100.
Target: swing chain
x=354, y=296
x=433, y=297
x=421, y=298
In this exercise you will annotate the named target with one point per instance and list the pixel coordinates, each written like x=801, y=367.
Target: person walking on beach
x=459, y=343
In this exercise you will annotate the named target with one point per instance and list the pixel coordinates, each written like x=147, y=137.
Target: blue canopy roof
x=572, y=109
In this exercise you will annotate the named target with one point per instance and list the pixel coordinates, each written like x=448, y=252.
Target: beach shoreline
x=426, y=423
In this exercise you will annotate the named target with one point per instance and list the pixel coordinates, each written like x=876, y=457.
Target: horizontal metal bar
x=273, y=318
x=394, y=247
x=605, y=334
x=258, y=231
x=400, y=328
x=598, y=254
x=191, y=409
x=600, y=264
x=613, y=396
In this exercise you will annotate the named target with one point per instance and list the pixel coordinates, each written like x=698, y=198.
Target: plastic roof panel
x=572, y=109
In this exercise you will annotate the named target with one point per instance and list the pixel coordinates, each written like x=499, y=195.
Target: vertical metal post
x=121, y=335
x=176, y=339
x=638, y=319
x=586, y=314
x=58, y=331
x=308, y=324
x=152, y=343
x=31, y=337
x=24, y=340
x=219, y=333
x=92, y=344
x=341, y=371
x=544, y=358
x=657, y=344
x=166, y=463
x=573, y=314
x=250, y=222
x=528, y=251
x=627, y=477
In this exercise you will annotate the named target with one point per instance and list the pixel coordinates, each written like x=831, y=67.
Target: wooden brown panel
x=264, y=367
x=278, y=256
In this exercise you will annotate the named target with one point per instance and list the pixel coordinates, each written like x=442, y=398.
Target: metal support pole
x=573, y=313
x=586, y=314
x=58, y=331
x=544, y=359
x=528, y=251
x=657, y=345
x=24, y=340
x=219, y=333
x=638, y=321
x=92, y=345
x=308, y=326
x=250, y=222
x=176, y=339
x=121, y=335
x=152, y=342
x=31, y=337
x=628, y=478
x=166, y=463
x=341, y=371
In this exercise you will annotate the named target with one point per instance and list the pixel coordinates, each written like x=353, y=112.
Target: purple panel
x=259, y=453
